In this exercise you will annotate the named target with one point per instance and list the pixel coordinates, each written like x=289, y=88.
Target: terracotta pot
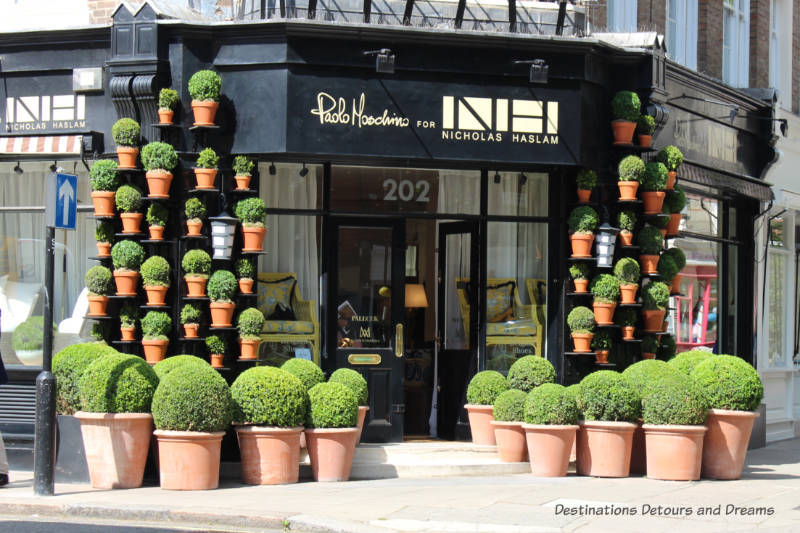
x=627, y=332
x=645, y=140
x=131, y=222
x=126, y=282
x=158, y=183
x=156, y=294
x=626, y=238
x=674, y=452
x=581, y=285
x=549, y=448
x=128, y=334
x=248, y=349
x=156, y=233
x=116, y=447
x=627, y=189
x=253, y=238
x=653, y=319
x=270, y=455
x=205, y=177
x=97, y=305
x=638, y=451
x=510, y=438
x=480, y=418
x=154, y=350
x=663, y=232
x=165, y=116
x=127, y=156
x=190, y=330
x=246, y=285
x=627, y=292
x=653, y=201
x=673, y=224
x=676, y=284
x=672, y=176
x=725, y=444
x=103, y=249
x=604, y=448
x=330, y=451
x=604, y=312
x=216, y=360
x=584, y=195
x=188, y=460
x=204, y=112
x=601, y=357
x=582, y=341
x=362, y=416
x=196, y=286
x=242, y=182
x=648, y=355
x=623, y=131
x=103, y=202
x=194, y=228
x=221, y=314
x=649, y=263
x=581, y=244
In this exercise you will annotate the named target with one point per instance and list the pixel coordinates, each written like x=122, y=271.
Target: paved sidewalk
x=767, y=497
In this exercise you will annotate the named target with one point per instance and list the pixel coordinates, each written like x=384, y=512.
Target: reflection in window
x=776, y=329
x=518, y=194
x=701, y=215
x=695, y=312
x=776, y=232
x=287, y=186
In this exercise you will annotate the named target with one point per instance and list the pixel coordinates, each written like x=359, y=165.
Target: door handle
x=398, y=340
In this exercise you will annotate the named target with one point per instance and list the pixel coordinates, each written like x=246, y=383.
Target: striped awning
x=729, y=183
x=41, y=145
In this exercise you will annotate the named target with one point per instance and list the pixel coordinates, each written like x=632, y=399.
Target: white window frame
x=780, y=62
x=736, y=50
x=682, y=32
x=787, y=253
x=621, y=16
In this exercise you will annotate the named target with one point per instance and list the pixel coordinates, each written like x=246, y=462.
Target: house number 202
x=406, y=190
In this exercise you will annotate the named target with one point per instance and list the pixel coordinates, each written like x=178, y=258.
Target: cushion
x=282, y=312
x=500, y=301
x=288, y=326
x=272, y=293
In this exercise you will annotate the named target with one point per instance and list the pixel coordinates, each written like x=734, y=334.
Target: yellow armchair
x=281, y=288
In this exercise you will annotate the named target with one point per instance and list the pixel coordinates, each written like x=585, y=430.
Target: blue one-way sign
x=66, y=201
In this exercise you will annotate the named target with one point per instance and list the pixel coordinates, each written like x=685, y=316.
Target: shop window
x=682, y=32
x=780, y=338
x=701, y=215
x=694, y=314
x=736, y=42
x=518, y=194
x=622, y=15
x=291, y=185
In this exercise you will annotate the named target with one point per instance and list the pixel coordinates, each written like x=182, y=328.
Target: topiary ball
x=530, y=371
x=192, y=398
x=729, y=382
x=352, y=380
x=306, y=371
x=674, y=400
x=68, y=366
x=117, y=383
x=269, y=396
x=162, y=368
x=510, y=406
x=647, y=371
x=551, y=404
x=605, y=395
x=332, y=405
x=485, y=387
x=685, y=362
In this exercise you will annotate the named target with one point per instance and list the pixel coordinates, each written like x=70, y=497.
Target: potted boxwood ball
x=306, y=371
x=654, y=183
x=627, y=272
x=530, y=371
x=666, y=347
x=197, y=265
x=216, y=350
x=625, y=108
x=159, y=159
x=243, y=171
x=221, y=290
x=675, y=202
x=626, y=222
x=27, y=340
x=580, y=276
x=204, y=87
x=586, y=180
x=195, y=211
x=356, y=383
x=551, y=418
x=269, y=409
x=156, y=326
x=610, y=407
x=127, y=257
x=582, y=222
x=155, y=278
x=128, y=317
x=167, y=102
x=98, y=281
x=176, y=361
x=667, y=268
x=645, y=126
x=508, y=412
x=655, y=298
x=190, y=320
x=734, y=391
x=126, y=133
x=246, y=272
x=631, y=171
x=205, y=170
x=581, y=326
x=192, y=408
x=679, y=257
x=626, y=318
x=601, y=344
x=331, y=431
x=116, y=391
x=482, y=391
x=68, y=367
x=157, y=217
x=649, y=347
x=605, y=293
x=685, y=362
x=104, y=235
x=253, y=214
x=250, y=323
x=672, y=158
x=129, y=201
x=650, y=242
x=104, y=179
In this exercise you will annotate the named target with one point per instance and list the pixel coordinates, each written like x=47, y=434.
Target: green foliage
x=655, y=296
x=103, y=176
x=678, y=256
x=645, y=125
x=245, y=269
x=675, y=200
x=68, y=366
x=127, y=255
x=268, y=396
x=165, y=366
x=625, y=316
x=529, y=372
x=98, y=280
x=156, y=325
x=509, y=406
x=631, y=168
x=581, y=320
x=649, y=344
x=204, y=85
x=667, y=268
x=215, y=344
x=579, y=271
x=605, y=395
x=601, y=340
x=157, y=215
x=625, y=106
x=251, y=211
x=129, y=315
x=644, y=373
x=551, y=404
x=190, y=314
x=192, y=398
x=659, y=222
x=352, y=380
x=222, y=286
x=126, y=132
x=243, y=165
x=196, y=262
x=685, y=362
x=673, y=400
x=605, y=288
x=650, y=240
x=195, y=209
x=655, y=177
x=104, y=232
x=485, y=387
x=586, y=179
x=100, y=331
x=332, y=405
x=671, y=157
x=207, y=158
x=167, y=99
x=159, y=156
x=627, y=270
x=155, y=272
x=583, y=219
x=626, y=220
x=128, y=198
x=29, y=335
x=306, y=371
x=117, y=383
x=250, y=322
x=729, y=382
x=667, y=347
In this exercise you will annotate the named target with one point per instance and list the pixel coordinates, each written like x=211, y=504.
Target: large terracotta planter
x=627, y=332
x=362, y=416
x=156, y=233
x=217, y=360
x=242, y=182
x=649, y=263
x=190, y=330
x=248, y=349
x=584, y=195
x=97, y=305
x=549, y=448
x=653, y=201
x=246, y=285
x=672, y=176
x=116, y=447
x=673, y=224
x=648, y=355
x=156, y=294
x=204, y=112
x=165, y=116
x=674, y=452
x=626, y=238
x=638, y=451
x=270, y=455
x=623, y=131
x=127, y=156
x=510, y=438
x=645, y=140
x=604, y=448
x=581, y=244
x=330, y=451
x=627, y=189
x=126, y=282
x=196, y=286
x=189, y=460
x=158, y=183
x=103, y=249
x=103, y=202
x=676, y=284
x=221, y=314
x=627, y=292
x=253, y=238
x=653, y=319
x=205, y=177
x=725, y=443
x=581, y=285
x=154, y=350
x=604, y=312
x=480, y=424
x=127, y=334
x=582, y=341
x=194, y=228
x=131, y=222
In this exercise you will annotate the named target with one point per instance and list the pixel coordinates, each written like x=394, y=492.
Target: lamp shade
x=415, y=295
x=222, y=232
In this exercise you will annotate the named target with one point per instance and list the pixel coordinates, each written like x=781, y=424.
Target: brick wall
x=100, y=11
x=651, y=15
x=709, y=37
x=795, y=58
x=596, y=15
x=759, y=43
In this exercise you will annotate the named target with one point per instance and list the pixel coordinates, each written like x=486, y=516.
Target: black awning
x=729, y=183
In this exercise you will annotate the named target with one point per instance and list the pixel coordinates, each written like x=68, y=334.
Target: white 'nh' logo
x=495, y=114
